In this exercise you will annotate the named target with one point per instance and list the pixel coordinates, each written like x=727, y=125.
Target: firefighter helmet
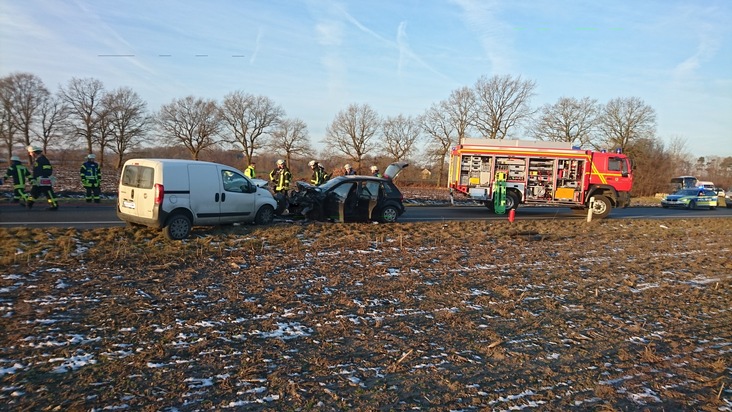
x=34, y=149
x=281, y=162
x=14, y=159
x=347, y=166
x=91, y=156
x=312, y=163
x=374, y=168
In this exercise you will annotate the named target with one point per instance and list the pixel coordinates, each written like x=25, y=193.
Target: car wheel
x=712, y=207
x=664, y=206
x=601, y=207
x=265, y=215
x=178, y=227
x=729, y=204
x=691, y=205
x=389, y=214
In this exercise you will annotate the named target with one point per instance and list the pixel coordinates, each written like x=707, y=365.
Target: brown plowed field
x=556, y=315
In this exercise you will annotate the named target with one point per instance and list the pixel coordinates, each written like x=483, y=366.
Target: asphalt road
x=84, y=216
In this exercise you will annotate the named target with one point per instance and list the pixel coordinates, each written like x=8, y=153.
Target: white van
x=175, y=195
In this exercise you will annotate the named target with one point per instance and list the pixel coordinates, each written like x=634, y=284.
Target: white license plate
x=128, y=204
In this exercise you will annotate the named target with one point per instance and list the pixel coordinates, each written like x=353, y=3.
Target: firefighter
x=325, y=174
x=348, y=170
x=250, y=172
x=280, y=177
x=19, y=175
x=91, y=178
x=41, y=179
x=317, y=177
x=375, y=171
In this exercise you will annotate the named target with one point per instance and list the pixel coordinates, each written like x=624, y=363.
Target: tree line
x=82, y=113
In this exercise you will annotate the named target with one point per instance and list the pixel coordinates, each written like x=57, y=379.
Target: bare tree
x=52, y=115
x=679, y=156
x=23, y=94
x=568, y=120
x=193, y=122
x=352, y=131
x=624, y=121
x=442, y=134
x=248, y=118
x=400, y=135
x=7, y=128
x=83, y=98
x=128, y=118
x=654, y=166
x=502, y=102
x=104, y=136
x=460, y=110
x=290, y=138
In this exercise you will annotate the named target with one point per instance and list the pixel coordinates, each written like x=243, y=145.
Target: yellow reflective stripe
x=597, y=172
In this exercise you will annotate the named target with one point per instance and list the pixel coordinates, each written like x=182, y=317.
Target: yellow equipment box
x=564, y=193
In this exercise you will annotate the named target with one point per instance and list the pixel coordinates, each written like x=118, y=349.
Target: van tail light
x=159, y=193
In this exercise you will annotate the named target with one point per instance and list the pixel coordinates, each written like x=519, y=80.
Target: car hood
x=260, y=183
x=393, y=169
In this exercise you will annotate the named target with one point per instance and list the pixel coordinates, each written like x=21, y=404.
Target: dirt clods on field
x=558, y=315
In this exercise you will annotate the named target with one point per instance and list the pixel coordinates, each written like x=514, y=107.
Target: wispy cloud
x=494, y=35
x=700, y=23
x=401, y=44
x=257, y=44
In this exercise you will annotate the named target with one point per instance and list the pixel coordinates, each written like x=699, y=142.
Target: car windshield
x=331, y=183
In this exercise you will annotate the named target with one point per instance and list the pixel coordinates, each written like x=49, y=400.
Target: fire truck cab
x=541, y=173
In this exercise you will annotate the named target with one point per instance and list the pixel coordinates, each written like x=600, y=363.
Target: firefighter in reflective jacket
x=91, y=178
x=280, y=177
x=317, y=178
x=19, y=175
x=250, y=172
x=41, y=180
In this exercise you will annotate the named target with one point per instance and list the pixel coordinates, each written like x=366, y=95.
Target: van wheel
x=265, y=215
x=178, y=227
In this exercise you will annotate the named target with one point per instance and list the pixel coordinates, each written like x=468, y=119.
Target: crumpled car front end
x=306, y=200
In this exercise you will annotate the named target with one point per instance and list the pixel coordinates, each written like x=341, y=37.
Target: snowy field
x=615, y=315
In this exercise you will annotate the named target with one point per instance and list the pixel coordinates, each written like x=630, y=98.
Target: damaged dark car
x=353, y=198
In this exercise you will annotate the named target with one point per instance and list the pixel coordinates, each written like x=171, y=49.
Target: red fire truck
x=541, y=173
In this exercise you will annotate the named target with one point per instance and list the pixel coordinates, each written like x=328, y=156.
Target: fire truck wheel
x=512, y=201
x=601, y=207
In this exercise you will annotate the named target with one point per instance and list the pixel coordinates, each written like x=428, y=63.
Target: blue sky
x=315, y=57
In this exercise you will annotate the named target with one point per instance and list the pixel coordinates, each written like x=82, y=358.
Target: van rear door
x=205, y=198
x=136, y=190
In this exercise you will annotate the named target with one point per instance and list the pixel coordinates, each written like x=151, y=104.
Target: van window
x=141, y=177
x=234, y=182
